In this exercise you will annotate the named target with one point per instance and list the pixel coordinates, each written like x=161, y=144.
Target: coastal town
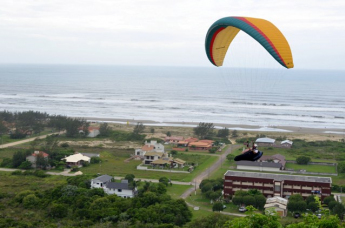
x=196, y=165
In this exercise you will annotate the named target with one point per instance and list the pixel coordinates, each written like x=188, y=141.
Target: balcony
x=296, y=187
x=236, y=182
x=268, y=185
x=247, y=183
x=287, y=193
x=306, y=194
x=258, y=184
x=287, y=186
x=306, y=188
x=268, y=192
x=236, y=189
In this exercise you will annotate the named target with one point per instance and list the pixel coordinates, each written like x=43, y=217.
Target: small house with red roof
x=36, y=155
x=173, y=139
x=92, y=131
x=152, y=146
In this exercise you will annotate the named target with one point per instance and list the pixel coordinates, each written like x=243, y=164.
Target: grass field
x=175, y=191
x=312, y=168
x=13, y=184
x=113, y=164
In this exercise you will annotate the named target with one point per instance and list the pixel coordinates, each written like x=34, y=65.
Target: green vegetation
x=70, y=203
x=312, y=168
x=303, y=160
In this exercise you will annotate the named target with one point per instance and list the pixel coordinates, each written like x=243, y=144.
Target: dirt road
x=26, y=140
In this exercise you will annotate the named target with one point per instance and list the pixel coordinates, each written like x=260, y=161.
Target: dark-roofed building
x=281, y=185
x=101, y=181
x=120, y=189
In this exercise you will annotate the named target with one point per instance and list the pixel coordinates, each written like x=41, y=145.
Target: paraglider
x=250, y=154
x=221, y=34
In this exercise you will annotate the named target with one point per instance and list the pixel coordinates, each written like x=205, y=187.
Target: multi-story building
x=277, y=184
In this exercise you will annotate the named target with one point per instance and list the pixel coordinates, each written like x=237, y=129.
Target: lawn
x=113, y=164
x=13, y=184
x=312, y=168
x=176, y=190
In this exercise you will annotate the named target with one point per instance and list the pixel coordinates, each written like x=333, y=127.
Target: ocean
x=258, y=97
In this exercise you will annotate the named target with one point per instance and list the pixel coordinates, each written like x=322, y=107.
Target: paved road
x=197, y=180
x=27, y=140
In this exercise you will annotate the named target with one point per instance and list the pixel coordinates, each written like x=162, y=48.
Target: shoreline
x=239, y=127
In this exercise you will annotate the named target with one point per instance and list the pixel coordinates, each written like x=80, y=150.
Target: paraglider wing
x=222, y=32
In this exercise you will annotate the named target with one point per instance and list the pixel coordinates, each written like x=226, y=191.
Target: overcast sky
x=158, y=32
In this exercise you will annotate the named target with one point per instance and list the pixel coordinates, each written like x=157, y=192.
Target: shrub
x=303, y=160
x=75, y=169
x=64, y=145
x=95, y=160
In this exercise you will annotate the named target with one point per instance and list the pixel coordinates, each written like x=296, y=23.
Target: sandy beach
x=338, y=133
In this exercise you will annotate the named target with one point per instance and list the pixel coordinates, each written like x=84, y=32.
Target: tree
x=328, y=199
x=249, y=200
x=218, y=206
x=139, y=128
x=152, y=130
x=3, y=130
x=313, y=206
x=234, y=134
x=25, y=165
x=296, y=197
x=30, y=201
x=310, y=199
x=230, y=157
x=339, y=210
x=260, y=201
x=303, y=160
x=168, y=134
x=164, y=180
x=104, y=130
x=212, y=150
x=173, y=152
x=18, y=158
x=130, y=177
x=57, y=211
x=223, y=133
x=215, y=220
x=237, y=200
x=203, y=130
x=292, y=206
x=341, y=167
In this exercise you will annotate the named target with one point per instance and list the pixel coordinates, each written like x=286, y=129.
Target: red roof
x=41, y=153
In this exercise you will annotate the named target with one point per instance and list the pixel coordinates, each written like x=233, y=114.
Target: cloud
x=147, y=24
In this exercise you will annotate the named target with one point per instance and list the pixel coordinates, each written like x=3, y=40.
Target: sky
x=161, y=33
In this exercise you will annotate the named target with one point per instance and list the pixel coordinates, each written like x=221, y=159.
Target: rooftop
x=117, y=185
x=265, y=140
x=259, y=164
x=104, y=178
x=278, y=177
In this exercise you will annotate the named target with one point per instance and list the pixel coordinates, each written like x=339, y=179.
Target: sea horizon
x=235, y=96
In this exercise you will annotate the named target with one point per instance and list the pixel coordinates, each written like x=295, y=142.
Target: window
x=277, y=186
x=119, y=190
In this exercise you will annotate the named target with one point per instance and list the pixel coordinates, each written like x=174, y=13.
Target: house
x=281, y=185
x=286, y=143
x=277, y=158
x=259, y=166
x=173, y=139
x=279, y=204
x=152, y=146
x=93, y=132
x=152, y=156
x=200, y=145
x=33, y=157
x=265, y=142
x=122, y=189
x=101, y=181
x=170, y=161
x=76, y=159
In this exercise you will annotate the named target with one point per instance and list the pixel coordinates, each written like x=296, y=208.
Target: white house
x=286, y=143
x=76, y=159
x=152, y=146
x=101, y=181
x=279, y=204
x=265, y=142
x=152, y=156
x=120, y=189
